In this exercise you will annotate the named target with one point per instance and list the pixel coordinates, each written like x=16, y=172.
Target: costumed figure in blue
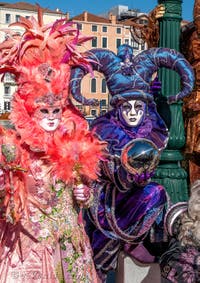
x=129, y=208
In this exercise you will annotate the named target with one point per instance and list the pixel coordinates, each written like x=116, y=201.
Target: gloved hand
x=143, y=179
x=81, y=193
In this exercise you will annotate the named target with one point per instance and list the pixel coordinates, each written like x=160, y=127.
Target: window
x=79, y=26
x=104, y=42
x=94, y=28
x=80, y=107
x=104, y=29
x=93, y=112
x=103, y=103
x=93, y=85
x=103, y=86
x=8, y=78
x=94, y=42
x=118, y=42
x=142, y=46
x=119, y=30
x=131, y=42
x=6, y=105
x=17, y=18
x=6, y=90
x=8, y=18
x=27, y=17
x=135, y=45
x=126, y=41
x=103, y=112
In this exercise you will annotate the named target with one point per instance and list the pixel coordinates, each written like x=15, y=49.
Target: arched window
x=93, y=85
x=94, y=42
x=103, y=86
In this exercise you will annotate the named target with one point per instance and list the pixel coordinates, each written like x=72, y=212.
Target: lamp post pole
x=170, y=172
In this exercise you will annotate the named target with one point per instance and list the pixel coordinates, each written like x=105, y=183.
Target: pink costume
x=42, y=238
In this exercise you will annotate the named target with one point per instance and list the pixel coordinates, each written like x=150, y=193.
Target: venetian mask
x=132, y=112
x=48, y=117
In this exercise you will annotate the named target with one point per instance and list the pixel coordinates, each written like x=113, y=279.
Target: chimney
x=112, y=18
x=67, y=16
x=85, y=16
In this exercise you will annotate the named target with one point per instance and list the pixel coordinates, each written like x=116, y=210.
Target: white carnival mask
x=132, y=112
x=48, y=117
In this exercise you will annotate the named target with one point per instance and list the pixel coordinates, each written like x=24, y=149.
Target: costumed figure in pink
x=47, y=162
x=129, y=208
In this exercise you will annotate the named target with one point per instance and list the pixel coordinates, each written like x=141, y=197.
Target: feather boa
x=75, y=154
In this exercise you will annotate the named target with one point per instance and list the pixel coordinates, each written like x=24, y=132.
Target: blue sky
x=75, y=7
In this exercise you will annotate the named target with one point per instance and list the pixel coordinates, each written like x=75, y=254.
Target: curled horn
x=77, y=75
x=156, y=58
x=100, y=60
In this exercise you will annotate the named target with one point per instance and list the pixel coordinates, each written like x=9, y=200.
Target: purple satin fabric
x=123, y=218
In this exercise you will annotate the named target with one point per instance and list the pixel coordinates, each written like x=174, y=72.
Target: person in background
x=47, y=162
x=181, y=262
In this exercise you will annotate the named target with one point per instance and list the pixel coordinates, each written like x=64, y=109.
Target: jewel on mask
x=46, y=71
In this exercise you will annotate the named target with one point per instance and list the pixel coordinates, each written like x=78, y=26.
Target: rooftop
x=26, y=6
x=90, y=18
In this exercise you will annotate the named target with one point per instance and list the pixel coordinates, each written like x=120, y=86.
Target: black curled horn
x=125, y=73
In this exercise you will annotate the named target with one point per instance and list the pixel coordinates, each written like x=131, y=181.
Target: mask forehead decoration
x=46, y=71
x=49, y=99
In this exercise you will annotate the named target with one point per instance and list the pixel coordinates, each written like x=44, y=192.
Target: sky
x=75, y=7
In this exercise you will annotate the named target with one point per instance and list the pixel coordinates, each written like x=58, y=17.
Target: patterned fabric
x=180, y=264
x=49, y=246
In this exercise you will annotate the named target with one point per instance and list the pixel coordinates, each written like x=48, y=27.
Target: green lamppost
x=170, y=172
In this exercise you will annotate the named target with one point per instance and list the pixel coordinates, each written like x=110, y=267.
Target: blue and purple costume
x=126, y=213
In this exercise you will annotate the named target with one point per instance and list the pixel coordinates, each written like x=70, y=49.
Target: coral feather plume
x=81, y=150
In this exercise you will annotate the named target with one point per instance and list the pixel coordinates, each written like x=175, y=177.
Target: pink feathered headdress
x=41, y=58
